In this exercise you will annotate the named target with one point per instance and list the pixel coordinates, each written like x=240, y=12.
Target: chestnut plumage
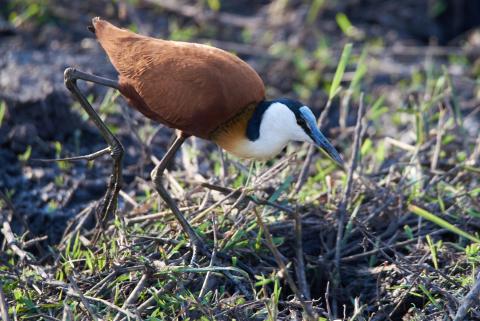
x=206, y=92
x=191, y=87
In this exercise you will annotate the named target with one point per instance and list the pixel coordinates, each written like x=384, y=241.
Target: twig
x=3, y=305
x=76, y=292
x=272, y=171
x=357, y=310
x=7, y=230
x=212, y=259
x=239, y=191
x=10, y=238
x=12, y=242
x=342, y=208
x=199, y=215
x=402, y=297
x=163, y=240
x=148, y=217
x=67, y=313
x=100, y=285
x=472, y=298
x=42, y=316
x=474, y=158
x=128, y=198
x=283, y=268
x=327, y=302
x=299, y=263
x=398, y=255
x=34, y=241
x=399, y=144
x=134, y=295
x=153, y=299
x=155, y=216
x=355, y=257
x=107, y=304
x=84, y=214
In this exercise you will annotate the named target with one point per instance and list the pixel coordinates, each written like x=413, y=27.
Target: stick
x=327, y=302
x=283, y=268
x=152, y=300
x=214, y=255
x=76, y=292
x=134, y=295
x=342, y=209
x=7, y=232
x=67, y=313
x=10, y=238
x=237, y=192
x=399, y=244
x=3, y=305
x=472, y=298
x=300, y=264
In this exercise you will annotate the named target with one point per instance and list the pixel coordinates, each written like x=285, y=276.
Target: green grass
x=410, y=238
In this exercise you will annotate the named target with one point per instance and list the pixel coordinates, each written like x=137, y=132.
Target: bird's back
x=191, y=87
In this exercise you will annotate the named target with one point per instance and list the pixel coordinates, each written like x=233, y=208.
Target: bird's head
x=279, y=121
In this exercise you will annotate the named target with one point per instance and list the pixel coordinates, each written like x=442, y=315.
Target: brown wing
x=191, y=87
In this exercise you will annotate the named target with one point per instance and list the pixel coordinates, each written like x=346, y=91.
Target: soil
x=41, y=121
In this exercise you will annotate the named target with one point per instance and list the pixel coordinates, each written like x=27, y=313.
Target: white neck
x=278, y=127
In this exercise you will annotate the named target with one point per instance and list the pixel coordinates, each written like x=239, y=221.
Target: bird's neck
x=229, y=133
x=253, y=133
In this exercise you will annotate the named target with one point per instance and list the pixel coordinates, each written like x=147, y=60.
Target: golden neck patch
x=234, y=130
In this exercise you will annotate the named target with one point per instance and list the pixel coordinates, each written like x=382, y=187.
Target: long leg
x=157, y=174
x=115, y=147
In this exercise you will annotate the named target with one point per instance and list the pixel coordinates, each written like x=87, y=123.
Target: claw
x=88, y=157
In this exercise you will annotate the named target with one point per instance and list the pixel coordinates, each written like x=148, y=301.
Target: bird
x=197, y=90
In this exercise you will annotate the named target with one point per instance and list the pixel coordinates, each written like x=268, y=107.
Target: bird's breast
x=232, y=136
x=258, y=150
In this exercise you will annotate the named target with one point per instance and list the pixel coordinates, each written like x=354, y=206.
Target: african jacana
x=200, y=90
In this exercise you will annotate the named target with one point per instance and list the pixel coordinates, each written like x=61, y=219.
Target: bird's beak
x=322, y=142
x=319, y=139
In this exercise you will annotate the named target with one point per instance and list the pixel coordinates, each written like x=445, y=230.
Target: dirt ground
x=392, y=264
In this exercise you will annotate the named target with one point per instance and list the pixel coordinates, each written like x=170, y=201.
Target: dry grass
x=395, y=236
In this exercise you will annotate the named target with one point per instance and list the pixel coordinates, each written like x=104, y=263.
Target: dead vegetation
x=394, y=237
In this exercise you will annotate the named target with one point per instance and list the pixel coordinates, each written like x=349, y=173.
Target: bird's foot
x=198, y=246
x=88, y=157
x=109, y=204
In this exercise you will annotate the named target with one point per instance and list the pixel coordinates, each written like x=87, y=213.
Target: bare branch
x=472, y=298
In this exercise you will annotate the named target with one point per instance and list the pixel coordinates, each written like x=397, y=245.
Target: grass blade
x=441, y=222
x=361, y=70
x=347, y=50
x=3, y=108
x=314, y=10
x=433, y=251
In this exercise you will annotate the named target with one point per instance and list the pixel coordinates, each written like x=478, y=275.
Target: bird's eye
x=301, y=121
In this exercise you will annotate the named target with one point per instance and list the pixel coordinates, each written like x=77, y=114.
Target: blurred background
x=408, y=58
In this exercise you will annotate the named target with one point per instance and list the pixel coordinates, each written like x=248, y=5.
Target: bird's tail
x=107, y=34
x=117, y=43
x=92, y=27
